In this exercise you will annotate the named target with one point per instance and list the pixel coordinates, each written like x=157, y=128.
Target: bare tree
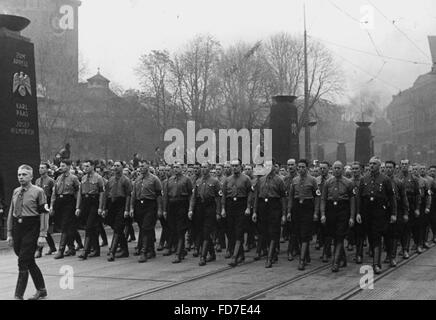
x=159, y=95
x=243, y=86
x=195, y=78
x=284, y=54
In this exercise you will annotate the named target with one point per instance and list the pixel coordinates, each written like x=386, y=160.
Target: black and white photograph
x=209, y=153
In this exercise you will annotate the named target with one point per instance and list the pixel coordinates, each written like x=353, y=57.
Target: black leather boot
x=113, y=248
x=393, y=256
x=212, y=255
x=377, y=259
x=258, y=255
x=336, y=257
x=124, y=247
x=343, y=256
x=406, y=246
x=241, y=255
x=143, y=256
x=268, y=263
x=204, y=250
x=326, y=250
x=359, y=250
x=307, y=256
x=62, y=244
x=87, y=248
x=234, y=261
x=38, y=253
x=23, y=277
x=51, y=244
x=303, y=250
x=179, y=250
x=95, y=244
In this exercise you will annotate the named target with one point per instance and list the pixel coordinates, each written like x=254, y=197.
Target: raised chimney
x=432, y=43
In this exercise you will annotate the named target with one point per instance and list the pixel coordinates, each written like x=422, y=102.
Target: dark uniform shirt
x=47, y=184
x=118, y=187
x=66, y=185
x=32, y=197
x=377, y=189
x=270, y=186
x=237, y=186
x=26, y=202
x=411, y=187
x=147, y=187
x=425, y=191
x=335, y=189
x=178, y=187
x=92, y=184
x=207, y=189
x=400, y=196
x=221, y=180
x=304, y=188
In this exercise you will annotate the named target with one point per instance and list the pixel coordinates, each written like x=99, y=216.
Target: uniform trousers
x=236, y=222
x=337, y=219
x=303, y=219
x=25, y=237
x=269, y=219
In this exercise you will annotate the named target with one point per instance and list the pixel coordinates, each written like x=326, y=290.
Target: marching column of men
x=216, y=212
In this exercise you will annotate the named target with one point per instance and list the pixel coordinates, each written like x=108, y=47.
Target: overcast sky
x=114, y=33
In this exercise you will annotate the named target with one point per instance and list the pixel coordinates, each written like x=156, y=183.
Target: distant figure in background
x=65, y=153
x=158, y=156
x=135, y=160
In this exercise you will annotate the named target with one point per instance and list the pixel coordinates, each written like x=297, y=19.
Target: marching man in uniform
x=378, y=206
x=338, y=211
x=236, y=202
x=304, y=205
x=146, y=204
x=176, y=196
x=90, y=207
x=63, y=204
x=27, y=228
x=205, y=203
x=270, y=210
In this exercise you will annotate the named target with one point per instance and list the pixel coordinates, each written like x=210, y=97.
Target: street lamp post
x=308, y=148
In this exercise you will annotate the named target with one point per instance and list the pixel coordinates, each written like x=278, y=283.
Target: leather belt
x=266, y=200
x=142, y=201
x=90, y=195
x=65, y=195
x=21, y=219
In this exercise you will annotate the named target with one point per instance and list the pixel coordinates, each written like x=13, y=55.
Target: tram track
x=218, y=271
x=182, y=282
x=343, y=296
x=357, y=289
x=260, y=293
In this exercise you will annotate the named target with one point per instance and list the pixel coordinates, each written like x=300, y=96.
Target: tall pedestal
x=364, y=148
x=320, y=152
x=19, y=135
x=341, y=153
x=284, y=124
